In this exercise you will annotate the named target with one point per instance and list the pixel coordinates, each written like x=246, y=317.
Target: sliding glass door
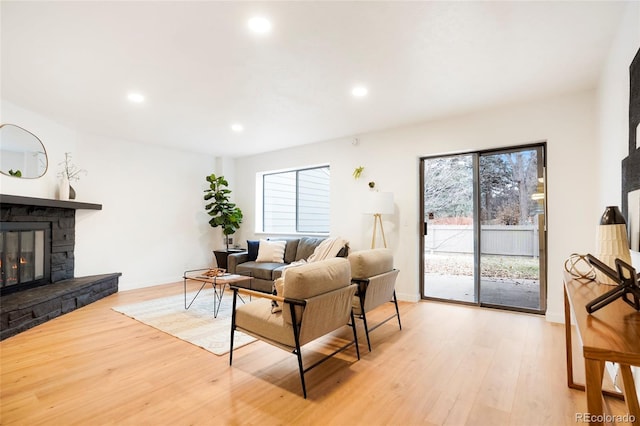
x=449, y=228
x=484, y=233
x=512, y=217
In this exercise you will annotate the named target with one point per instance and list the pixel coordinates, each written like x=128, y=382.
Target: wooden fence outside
x=506, y=240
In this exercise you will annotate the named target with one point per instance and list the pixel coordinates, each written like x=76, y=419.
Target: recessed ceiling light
x=359, y=91
x=236, y=127
x=259, y=24
x=135, y=97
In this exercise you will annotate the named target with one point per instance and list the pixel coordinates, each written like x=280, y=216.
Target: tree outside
x=507, y=182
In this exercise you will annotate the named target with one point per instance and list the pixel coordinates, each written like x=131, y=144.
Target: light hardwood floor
x=450, y=364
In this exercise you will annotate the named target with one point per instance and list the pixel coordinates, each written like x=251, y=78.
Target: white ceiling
x=201, y=70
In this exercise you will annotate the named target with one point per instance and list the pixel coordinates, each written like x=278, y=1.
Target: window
x=296, y=201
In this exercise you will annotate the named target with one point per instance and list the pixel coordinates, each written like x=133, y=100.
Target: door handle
x=425, y=228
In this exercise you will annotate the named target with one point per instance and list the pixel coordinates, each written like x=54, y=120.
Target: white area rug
x=195, y=325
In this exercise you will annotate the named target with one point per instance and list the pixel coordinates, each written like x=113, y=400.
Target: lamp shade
x=379, y=203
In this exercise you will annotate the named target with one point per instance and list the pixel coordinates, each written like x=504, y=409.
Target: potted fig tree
x=223, y=212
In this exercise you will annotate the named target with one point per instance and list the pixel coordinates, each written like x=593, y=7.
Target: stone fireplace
x=37, y=282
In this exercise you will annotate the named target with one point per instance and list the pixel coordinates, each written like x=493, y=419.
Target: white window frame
x=259, y=225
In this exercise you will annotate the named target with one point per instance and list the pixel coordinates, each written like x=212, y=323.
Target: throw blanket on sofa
x=327, y=249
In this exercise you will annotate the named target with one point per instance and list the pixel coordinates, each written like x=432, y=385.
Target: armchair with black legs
x=316, y=300
x=373, y=272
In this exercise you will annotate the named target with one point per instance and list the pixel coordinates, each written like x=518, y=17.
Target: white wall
x=613, y=108
x=391, y=159
x=613, y=119
x=46, y=130
x=152, y=225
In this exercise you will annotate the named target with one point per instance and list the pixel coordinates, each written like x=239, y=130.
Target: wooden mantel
x=46, y=202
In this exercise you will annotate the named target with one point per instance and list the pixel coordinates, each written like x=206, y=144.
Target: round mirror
x=22, y=154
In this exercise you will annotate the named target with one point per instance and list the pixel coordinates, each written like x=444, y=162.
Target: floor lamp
x=379, y=203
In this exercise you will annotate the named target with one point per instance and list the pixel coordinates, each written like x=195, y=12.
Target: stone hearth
x=25, y=309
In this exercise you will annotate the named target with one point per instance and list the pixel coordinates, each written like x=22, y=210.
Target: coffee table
x=219, y=284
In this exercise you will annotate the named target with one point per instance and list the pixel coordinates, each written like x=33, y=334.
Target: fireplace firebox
x=25, y=250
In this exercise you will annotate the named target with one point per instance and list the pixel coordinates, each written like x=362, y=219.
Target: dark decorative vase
x=72, y=193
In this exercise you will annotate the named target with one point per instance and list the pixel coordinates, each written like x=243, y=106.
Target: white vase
x=63, y=189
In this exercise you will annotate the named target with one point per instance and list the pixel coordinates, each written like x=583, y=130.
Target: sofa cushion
x=369, y=263
x=314, y=279
x=271, y=251
x=261, y=270
x=277, y=272
x=252, y=249
x=257, y=316
x=317, y=278
x=290, y=250
x=306, y=246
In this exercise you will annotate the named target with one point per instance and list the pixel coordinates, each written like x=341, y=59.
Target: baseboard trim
x=408, y=297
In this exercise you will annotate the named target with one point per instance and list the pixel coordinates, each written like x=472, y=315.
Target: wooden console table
x=610, y=334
